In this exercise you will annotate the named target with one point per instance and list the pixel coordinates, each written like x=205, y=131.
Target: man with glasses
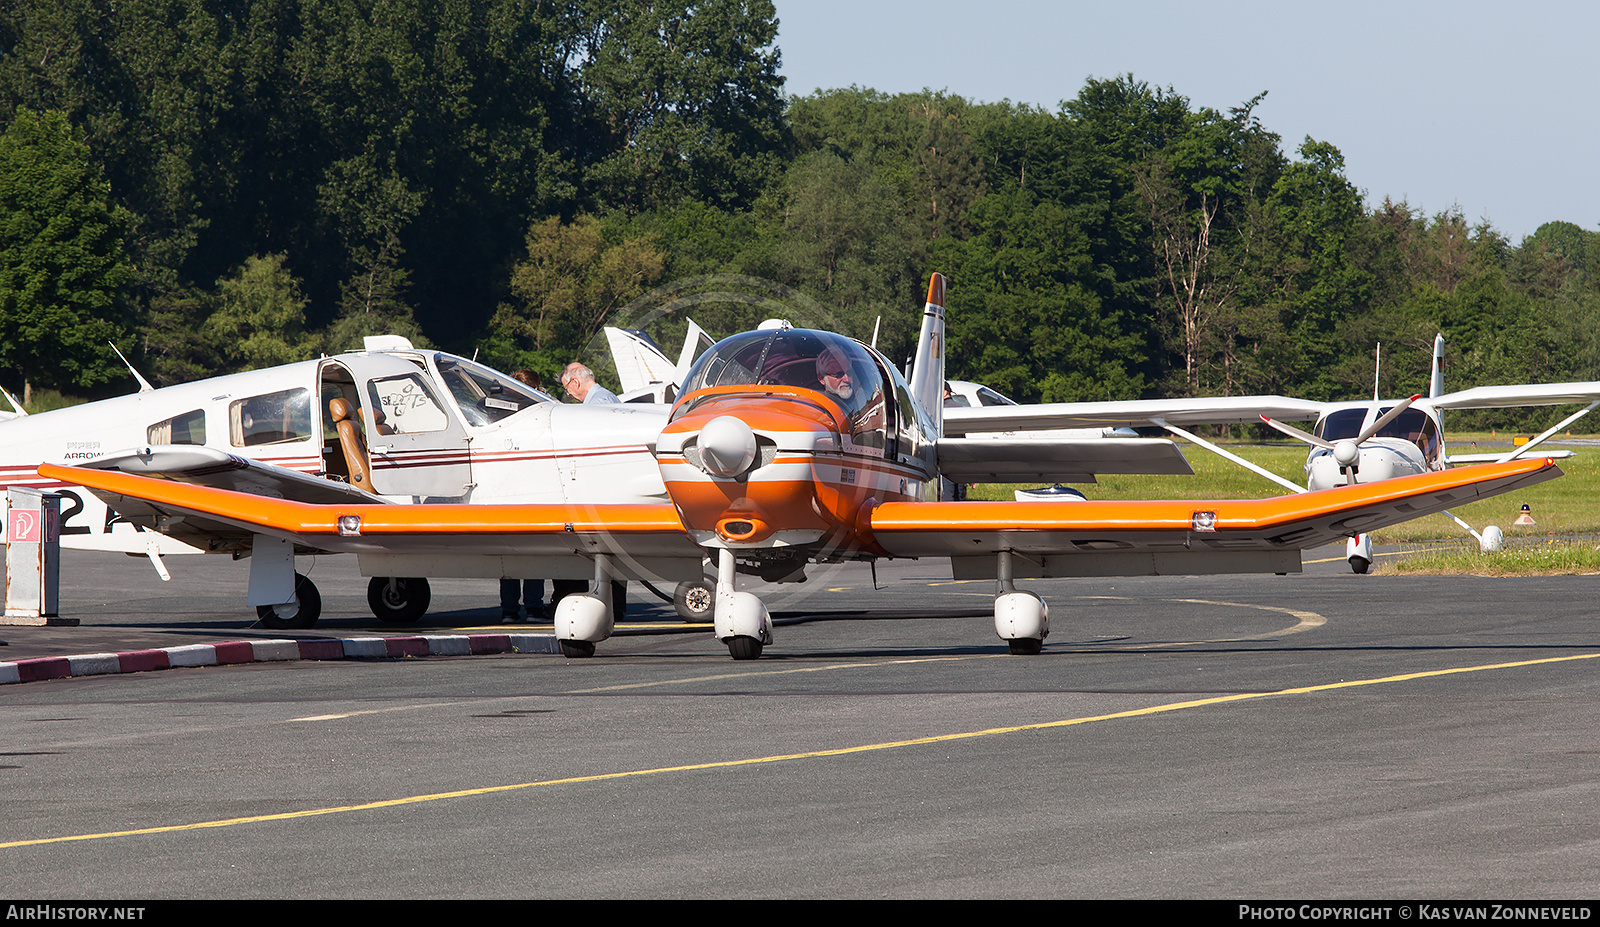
x=579, y=383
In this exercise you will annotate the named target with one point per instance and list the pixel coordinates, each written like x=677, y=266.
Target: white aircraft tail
x=639, y=362
x=927, y=370
x=1436, y=379
x=695, y=340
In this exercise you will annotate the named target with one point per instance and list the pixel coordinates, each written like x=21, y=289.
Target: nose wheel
x=741, y=619
x=744, y=648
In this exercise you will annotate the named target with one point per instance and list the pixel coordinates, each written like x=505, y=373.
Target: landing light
x=349, y=525
x=1203, y=521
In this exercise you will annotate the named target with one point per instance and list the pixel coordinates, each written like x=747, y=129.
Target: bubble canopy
x=828, y=363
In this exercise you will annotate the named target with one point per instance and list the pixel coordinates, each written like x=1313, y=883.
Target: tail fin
x=927, y=370
x=1436, y=380
x=695, y=340
x=639, y=361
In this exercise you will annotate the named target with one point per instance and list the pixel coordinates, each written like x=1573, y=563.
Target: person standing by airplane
x=579, y=383
x=530, y=591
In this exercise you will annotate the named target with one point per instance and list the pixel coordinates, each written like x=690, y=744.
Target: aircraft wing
x=1051, y=539
x=1177, y=537
x=1216, y=410
x=205, y=466
x=1520, y=394
x=636, y=531
x=1077, y=460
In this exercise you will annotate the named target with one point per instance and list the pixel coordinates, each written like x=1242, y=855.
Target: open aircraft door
x=418, y=448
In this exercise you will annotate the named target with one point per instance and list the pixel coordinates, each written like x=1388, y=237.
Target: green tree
x=62, y=265
x=373, y=302
x=571, y=280
x=259, y=320
x=682, y=99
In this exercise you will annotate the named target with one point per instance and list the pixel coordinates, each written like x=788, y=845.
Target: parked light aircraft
x=790, y=446
x=1351, y=442
x=392, y=424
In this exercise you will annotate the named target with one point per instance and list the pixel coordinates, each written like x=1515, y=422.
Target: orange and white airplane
x=788, y=447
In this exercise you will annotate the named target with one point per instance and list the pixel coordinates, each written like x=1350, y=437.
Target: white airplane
x=389, y=425
x=1351, y=442
x=789, y=447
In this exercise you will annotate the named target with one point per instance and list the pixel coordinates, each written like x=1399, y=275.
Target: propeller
x=1346, y=451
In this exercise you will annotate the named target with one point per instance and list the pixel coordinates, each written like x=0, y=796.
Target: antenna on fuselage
x=875, y=323
x=1377, y=369
x=144, y=385
x=21, y=412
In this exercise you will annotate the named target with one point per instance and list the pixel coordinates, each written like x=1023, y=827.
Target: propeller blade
x=1387, y=417
x=1297, y=434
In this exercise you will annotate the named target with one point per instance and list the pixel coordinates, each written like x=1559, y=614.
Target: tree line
x=220, y=184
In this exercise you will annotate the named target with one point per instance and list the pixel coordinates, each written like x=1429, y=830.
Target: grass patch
x=1531, y=558
x=1566, y=506
x=46, y=400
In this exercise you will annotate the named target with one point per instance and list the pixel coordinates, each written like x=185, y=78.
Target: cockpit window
x=276, y=418
x=484, y=395
x=825, y=362
x=1412, y=425
x=1341, y=424
x=188, y=428
x=989, y=397
x=404, y=405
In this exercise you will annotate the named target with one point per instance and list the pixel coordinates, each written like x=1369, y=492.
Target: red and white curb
x=263, y=651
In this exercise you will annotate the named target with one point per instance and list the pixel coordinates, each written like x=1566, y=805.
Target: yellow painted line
x=778, y=758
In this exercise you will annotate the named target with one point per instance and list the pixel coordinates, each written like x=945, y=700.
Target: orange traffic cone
x=1526, y=518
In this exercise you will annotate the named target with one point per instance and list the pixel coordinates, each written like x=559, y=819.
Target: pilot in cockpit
x=834, y=372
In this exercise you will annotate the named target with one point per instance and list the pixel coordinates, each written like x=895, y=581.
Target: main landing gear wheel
x=398, y=600
x=744, y=648
x=299, y=614
x=1360, y=564
x=1025, y=646
x=577, y=650
x=695, y=602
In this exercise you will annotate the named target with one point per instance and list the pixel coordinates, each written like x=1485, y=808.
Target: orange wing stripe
x=1175, y=515
x=305, y=519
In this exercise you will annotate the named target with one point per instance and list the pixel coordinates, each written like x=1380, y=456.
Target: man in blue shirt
x=579, y=383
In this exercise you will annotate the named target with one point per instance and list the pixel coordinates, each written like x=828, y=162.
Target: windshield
x=1412, y=425
x=484, y=395
x=832, y=364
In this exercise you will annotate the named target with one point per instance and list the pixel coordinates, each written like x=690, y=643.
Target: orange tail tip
x=936, y=290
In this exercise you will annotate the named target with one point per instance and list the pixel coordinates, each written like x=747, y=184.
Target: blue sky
x=1489, y=106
